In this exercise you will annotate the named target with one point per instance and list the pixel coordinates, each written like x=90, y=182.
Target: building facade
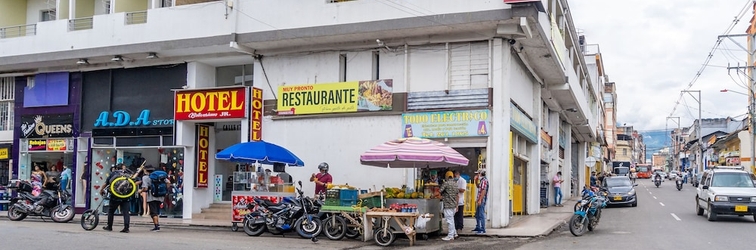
x=531, y=115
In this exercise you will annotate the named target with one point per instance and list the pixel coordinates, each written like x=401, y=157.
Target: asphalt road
x=664, y=219
x=49, y=235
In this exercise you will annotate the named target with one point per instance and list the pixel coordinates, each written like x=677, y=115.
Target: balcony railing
x=136, y=17
x=338, y=1
x=18, y=31
x=80, y=24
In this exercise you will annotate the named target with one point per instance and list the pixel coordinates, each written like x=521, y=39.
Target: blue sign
x=446, y=124
x=523, y=124
x=123, y=119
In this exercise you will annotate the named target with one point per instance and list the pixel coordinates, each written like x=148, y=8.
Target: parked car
x=726, y=191
x=672, y=176
x=621, y=191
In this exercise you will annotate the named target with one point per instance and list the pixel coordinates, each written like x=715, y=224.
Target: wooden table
x=405, y=220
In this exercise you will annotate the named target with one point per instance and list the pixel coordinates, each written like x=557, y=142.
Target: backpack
x=159, y=188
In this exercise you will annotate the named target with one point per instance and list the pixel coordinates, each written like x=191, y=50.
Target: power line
x=711, y=53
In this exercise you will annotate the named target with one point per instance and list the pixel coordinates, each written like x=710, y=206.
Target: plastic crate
x=348, y=203
x=372, y=202
x=348, y=195
x=333, y=194
x=332, y=202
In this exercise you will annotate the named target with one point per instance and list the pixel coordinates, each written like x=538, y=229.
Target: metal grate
x=18, y=31
x=7, y=88
x=136, y=17
x=80, y=24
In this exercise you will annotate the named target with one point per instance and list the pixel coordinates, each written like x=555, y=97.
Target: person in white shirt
x=459, y=215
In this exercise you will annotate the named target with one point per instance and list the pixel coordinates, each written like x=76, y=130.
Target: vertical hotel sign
x=203, y=151
x=255, y=118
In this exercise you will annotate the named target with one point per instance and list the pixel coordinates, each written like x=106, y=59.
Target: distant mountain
x=655, y=141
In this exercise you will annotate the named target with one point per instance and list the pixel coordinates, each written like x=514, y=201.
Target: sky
x=653, y=49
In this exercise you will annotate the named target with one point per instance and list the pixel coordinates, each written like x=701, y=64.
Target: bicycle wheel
x=89, y=220
x=123, y=187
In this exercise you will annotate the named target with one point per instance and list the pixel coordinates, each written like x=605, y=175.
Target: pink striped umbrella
x=413, y=153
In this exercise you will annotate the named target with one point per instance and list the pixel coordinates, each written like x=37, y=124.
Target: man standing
x=450, y=197
x=459, y=215
x=557, y=181
x=480, y=202
x=321, y=179
x=116, y=202
x=152, y=202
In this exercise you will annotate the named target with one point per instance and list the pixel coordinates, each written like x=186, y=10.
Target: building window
x=342, y=67
x=47, y=15
x=624, y=151
x=468, y=65
x=376, y=74
x=7, y=90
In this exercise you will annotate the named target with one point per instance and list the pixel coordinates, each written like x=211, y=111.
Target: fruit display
x=398, y=193
x=338, y=186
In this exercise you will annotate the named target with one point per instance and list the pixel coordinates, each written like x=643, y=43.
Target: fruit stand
x=427, y=202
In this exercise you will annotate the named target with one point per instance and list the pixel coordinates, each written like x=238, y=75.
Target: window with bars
x=7, y=90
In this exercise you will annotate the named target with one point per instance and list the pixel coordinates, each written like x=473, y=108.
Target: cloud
x=653, y=49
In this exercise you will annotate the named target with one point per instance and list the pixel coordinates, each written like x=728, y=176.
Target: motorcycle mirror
x=300, y=183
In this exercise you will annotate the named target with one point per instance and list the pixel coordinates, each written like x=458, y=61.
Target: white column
x=499, y=141
x=533, y=192
x=553, y=130
x=71, y=9
x=582, y=149
x=185, y=136
x=567, y=165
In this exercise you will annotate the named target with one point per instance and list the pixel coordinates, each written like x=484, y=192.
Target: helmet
x=323, y=166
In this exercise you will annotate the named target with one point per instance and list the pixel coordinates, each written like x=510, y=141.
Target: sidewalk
x=536, y=225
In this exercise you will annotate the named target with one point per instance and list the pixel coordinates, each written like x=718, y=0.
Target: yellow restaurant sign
x=340, y=97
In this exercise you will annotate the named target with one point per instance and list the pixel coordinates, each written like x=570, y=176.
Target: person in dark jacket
x=116, y=202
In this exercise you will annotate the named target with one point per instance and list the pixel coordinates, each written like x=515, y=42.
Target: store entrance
x=227, y=134
x=51, y=163
x=477, y=160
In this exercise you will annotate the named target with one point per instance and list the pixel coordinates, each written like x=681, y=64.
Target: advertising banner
x=239, y=205
x=341, y=97
x=45, y=126
x=37, y=145
x=446, y=124
x=208, y=104
x=56, y=145
x=203, y=151
x=4, y=153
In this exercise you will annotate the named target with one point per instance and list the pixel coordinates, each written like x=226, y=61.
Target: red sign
x=239, y=205
x=203, y=151
x=207, y=104
x=255, y=125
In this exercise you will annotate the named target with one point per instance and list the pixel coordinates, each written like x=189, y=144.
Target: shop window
x=48, y=89
x=170, y=160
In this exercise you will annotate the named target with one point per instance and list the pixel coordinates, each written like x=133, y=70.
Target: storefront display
x=46, y=141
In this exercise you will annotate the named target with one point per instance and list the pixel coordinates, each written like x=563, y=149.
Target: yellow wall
x=85, y=8
x=130, y=5
x=62, y=12
x=12, y=13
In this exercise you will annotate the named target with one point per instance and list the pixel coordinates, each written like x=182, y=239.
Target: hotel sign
x=210, y=104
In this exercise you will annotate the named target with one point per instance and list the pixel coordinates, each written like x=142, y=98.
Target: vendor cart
x=429, y=206
x=260, y=184
x=352, y=216
x=385, y=234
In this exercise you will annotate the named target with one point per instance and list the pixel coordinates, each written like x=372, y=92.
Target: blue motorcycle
x=587, y=213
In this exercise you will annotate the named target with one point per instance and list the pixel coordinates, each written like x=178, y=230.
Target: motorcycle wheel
x=384, y=237
x=334, y=227
x=14, y=214
x=252, y=229
x=310, y=229
x=577, y=227
x=63, y=216
x=89, y=220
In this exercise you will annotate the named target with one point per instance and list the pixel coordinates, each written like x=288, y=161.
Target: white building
x=512, y=68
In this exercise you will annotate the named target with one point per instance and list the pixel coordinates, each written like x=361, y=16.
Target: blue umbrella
x=259, y=152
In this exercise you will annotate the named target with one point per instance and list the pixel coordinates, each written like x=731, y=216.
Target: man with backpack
x=155, y=185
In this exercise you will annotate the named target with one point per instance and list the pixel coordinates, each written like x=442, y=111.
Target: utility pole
x=699, y=159
x=751, y=85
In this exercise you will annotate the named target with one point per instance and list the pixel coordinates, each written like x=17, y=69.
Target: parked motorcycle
x=679, y=183
x=587, y=217
x=298, y=214
x=49, y=203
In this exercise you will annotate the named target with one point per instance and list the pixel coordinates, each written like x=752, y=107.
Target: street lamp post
x=699, y=159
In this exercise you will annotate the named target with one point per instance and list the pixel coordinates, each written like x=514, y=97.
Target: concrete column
x=553, y=130
x=567, y=165
x=582, y=148
x=533, y=198
x=499, y=141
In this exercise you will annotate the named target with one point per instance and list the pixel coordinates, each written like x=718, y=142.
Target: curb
x=103, y=219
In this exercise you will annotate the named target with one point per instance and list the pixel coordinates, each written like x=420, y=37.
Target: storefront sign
x=56, y=145
x=255, y=119
x=203, y=152
x=3, y=153
x=225, y=103
x=37, y=145
x=43, y=126
x=522, y=124
x=123, y=119
x=324, y=98
x=446, y=124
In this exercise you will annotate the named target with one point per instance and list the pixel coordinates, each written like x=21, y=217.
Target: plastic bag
x=421, y=221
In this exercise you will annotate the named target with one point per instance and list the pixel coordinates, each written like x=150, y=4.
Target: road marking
x=649, y=192
x=674, y=215
x=661, y=203
x=654, y=197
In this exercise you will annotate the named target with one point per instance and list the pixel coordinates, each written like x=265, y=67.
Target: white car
x=672, y=176
x=662, y=174
x=726, y=191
